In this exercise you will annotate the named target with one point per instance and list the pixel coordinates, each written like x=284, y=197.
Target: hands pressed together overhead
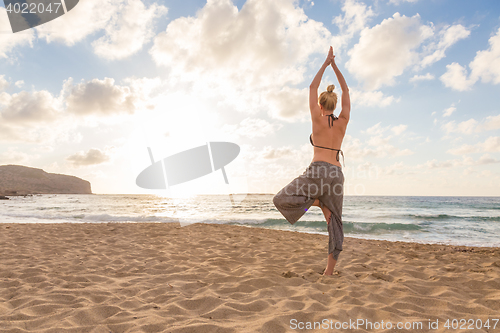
x=330, y=59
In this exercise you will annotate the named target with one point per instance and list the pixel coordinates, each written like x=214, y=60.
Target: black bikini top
x=331, y=119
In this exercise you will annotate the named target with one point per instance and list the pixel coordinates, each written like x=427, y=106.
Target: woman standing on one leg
x=322, y=183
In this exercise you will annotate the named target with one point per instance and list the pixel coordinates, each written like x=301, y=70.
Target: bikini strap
x=331, y=119
x=339, y=151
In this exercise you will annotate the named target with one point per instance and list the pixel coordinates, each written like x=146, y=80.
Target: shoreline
x=158, y=277
x=257, y=226
x=368, y=239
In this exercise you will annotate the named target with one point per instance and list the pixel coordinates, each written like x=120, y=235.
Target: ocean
x=470, y=221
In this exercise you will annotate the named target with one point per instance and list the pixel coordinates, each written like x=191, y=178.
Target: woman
x=322, y=183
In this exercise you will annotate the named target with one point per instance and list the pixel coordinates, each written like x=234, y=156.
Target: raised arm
x=346, y=100
x=313, y=88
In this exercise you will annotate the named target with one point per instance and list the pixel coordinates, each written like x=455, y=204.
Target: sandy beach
x=152, y=277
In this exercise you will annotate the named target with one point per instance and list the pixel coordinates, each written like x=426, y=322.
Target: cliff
x=20, y=180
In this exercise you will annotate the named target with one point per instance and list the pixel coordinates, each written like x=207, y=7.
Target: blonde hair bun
x=328, y=99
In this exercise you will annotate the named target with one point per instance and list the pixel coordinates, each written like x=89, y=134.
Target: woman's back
x=328, y=134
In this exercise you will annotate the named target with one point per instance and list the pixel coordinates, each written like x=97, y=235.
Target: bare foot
x=330, y=265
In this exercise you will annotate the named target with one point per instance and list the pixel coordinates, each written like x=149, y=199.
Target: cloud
x=7, y=133
x=456, y=77
x=355, y=18
x=425, y=77
x=127, y=25
x=86, y=18
x=465, y=161
x=128, y=32
x=377, y=144
x=487, y=159
x=14, y=156
x=491, y=123
x=144, y=87
x=486, y=64
x=448, y=36
x=19, y=83
x=3, y=83
x=275, y=153
x=92, y=157
x=9, y=41
x=471, y=126
x=376, y=147
x=26, y=107
x=465, y=127
x=490, y=145
x=376, y=129
x=38, y=116
x=447, y=112
x=58, y=130
x=394, y=168
x=370, y=98
x=265, y=42
x=387, y=49
x=435, y=164
x=397, y=130
x=398, y=2
x=244, y=55
x=100, y=97
x=484, y=67
x=289, y=103
x=251, y=128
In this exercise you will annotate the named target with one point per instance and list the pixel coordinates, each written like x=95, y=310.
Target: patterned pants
x=323, y=181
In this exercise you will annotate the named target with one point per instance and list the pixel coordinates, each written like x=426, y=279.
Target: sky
x=88, y=92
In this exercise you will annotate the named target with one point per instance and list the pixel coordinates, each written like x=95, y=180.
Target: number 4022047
x=463, y=324
x=33, y=8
